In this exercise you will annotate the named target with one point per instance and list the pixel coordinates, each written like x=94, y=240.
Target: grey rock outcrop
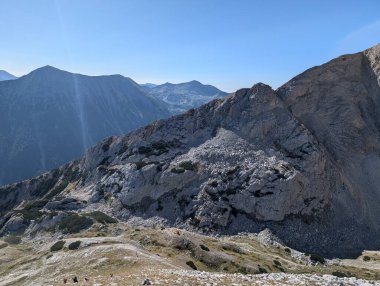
x=301, y=161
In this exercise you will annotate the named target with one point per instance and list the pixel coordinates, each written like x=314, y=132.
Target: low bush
x=101, y=217
x=3, y=245
x=12, y=239
x=317, y=258
x=232, y=171
x=160, y=147
x=57, y=190
x=159, y=206
x=233, y=247
x=140, y=164
x=191, y=264
x=57, y=246
x=276, y=263
x=262, y=270
x=32, y=211
x=123, y=149
x=177, y=170
x=74, y=245
x=187, y=165
x=145, y=150
x=243, y=270
x=74, y=223
x=214, y=184
x=339, y=274
x=31, y=214
x=366, y=258
x=204, y=247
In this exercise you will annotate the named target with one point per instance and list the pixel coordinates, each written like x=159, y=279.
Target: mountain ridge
x=297, y=160
x=4, y=75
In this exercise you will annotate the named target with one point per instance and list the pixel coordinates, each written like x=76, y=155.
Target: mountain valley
x=280, y=186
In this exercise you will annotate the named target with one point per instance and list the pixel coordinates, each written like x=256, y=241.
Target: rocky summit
x=301, y=161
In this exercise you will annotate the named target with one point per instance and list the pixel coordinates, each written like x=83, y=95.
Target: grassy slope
x=132, y=254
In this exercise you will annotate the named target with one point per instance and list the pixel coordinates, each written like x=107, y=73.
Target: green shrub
x=339, y=274
x=159, y=206
x=72, y=174
x=160, y=147
x=32, y=210
x=106, y=146
x=13, y=239
x=74, y=245
x=232, y=247
x=57, y=190
x=243, y=270
x=145, y=150
x=214, y=184
x=46, y=183
x=177, y=170
x=3, y=245
x=262, y=270
x=57, y=246
x=104, y=161
x=204, y=247
x=287, y=250
x=366, y=258
x=317, y=258
x=187, y=165
x=232, y=171
x=31, y=214
x=123, y=149
x=191, y=264
x=74, y=223
x=276, y=263
x=140, y=164
x=101, y=217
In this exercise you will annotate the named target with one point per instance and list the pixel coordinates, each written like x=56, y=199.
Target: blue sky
x=230, y=44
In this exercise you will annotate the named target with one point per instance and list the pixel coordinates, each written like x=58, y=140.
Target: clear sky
x=230, y=44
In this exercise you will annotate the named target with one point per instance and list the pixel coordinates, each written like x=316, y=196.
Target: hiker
x=75, y=279
x=147, y=282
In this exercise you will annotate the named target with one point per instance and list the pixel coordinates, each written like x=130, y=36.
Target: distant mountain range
x=4, y=75
x=50, y=116
x=184, y=96
x=148, y=85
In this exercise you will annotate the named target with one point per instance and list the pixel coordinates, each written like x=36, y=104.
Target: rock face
x=301, y=161
x=49, y=117
x=184, y=96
